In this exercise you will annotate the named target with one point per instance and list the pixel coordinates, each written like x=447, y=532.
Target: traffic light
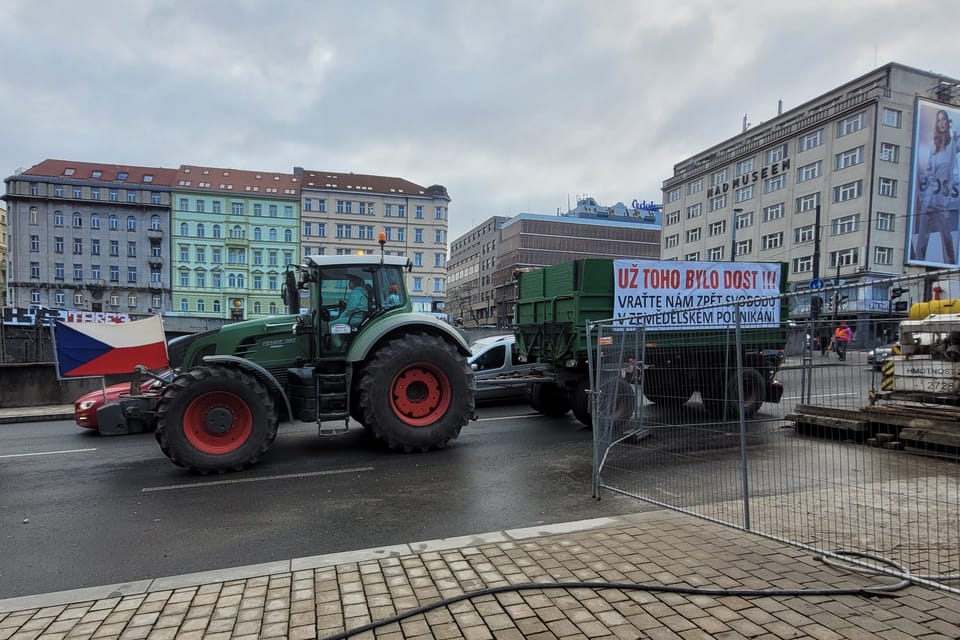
x=896, y=292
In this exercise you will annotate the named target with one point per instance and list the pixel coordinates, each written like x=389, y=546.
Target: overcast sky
x=514, y=106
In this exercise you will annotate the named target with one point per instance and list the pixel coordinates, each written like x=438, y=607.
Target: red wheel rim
x=217, y=422
x=420, y=394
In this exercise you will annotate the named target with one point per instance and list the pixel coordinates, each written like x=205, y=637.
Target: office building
x=847, y=156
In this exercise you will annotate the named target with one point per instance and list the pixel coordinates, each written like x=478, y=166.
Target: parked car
x=497, y=356
x=85, y=407
x=878, y=355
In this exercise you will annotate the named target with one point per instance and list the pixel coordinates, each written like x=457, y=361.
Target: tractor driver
x=355, y=310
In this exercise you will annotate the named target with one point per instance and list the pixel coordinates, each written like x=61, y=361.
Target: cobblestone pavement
x=322, y=596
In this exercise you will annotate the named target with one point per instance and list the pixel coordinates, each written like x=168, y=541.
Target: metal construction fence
x=812, y=448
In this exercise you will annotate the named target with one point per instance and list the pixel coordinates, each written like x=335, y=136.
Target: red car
x=85, y=407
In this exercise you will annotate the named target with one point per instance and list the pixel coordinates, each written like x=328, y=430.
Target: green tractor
x=350, y=347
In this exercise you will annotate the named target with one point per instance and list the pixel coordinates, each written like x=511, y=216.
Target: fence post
x=744, y=481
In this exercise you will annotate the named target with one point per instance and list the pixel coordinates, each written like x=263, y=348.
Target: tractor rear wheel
x=723, y=401
x=214, y=418
x=416, y=393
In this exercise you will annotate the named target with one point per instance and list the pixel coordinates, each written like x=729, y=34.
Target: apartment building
x=343, y=213
x=847, y=156
x=483, y=260
x=233, y=233
x=89, y=236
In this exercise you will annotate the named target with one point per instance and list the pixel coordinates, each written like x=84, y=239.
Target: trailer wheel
x=215, y=419
x=723, y=403
x=580, y=402
x=417, y=393
x=665, y=390
x=548, y=399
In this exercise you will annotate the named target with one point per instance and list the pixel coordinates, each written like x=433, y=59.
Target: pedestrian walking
x=842, y=336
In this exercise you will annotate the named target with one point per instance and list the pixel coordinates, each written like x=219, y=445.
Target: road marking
x=194, y=485
x=524, y=415
x=45, y=453
x=822, y=395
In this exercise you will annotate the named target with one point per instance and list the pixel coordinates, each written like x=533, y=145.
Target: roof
x=354, y=260
x=102, y=172
x=333, y=180
x=223, y=179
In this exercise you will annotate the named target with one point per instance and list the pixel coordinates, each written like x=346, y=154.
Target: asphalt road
x=78, y=510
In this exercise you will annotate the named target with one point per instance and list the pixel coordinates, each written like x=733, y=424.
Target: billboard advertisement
x=934, y=209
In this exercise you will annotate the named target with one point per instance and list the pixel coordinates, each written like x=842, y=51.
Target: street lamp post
x=733, y=235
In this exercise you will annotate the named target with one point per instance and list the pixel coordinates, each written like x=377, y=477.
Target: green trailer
x=553, y=306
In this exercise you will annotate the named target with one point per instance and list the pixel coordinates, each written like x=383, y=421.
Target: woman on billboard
x=939, y=200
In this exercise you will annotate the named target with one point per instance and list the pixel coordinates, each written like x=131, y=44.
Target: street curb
x=15, y=419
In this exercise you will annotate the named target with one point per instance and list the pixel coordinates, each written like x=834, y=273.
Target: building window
x=672, y=241
x=184, y=253
x=236, y=208
x=115, y=248
x=777, y=154
x=35, y=243
x=695, y=187
x=808, y=202
x=94, y=221
x=719, y=202
x=131, y=196
x=771, y=241
x=114, y=223
x=288, y=211
x=155, y=198
x=848, y=191
x=114, y=273
x=693, y=211
x=216, y=231
x=744, y=193
x=673, y=195
x=693, y=256
x=418, y=284
x=810, y=171
x=744, y=247
x=803, y=265
x=892, y=117
x=78, y=272
x=775, y=183
x=804, y=234
x=852, y=124
x=673, y=217
x=57, y=217
x=745, y=166
x=418, y=259
x=78, y=246
x=883, y=255
x=887, y=187
x=717, y=228
x=201, y=305
x=845, y=224
x=131, y=249
x=693, y=235
x=59, y=272
x=34, y=295
x=132, y=300
x=77, y=221
x=718, y=178
x=257, y=210
x=715, y=253
x=58, y=244
x=201, y=206
x=811, y=140
x=131, y=223
x=885, y=221
x=201, y=278
x=77, y=299
x=849, y=158
x=95, y=271
x=773, y=212
x=845, y=258
x=745, y=220
x=272, y=210
x=418, y=212
x=132, y=275
x=77, y=192
x=60, y=299
x=201, y=230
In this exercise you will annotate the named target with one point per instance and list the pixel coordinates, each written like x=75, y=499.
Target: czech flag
x=98, y=349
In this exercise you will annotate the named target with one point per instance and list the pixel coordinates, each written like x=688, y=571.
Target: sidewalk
x=36, y=414
x=321, y=596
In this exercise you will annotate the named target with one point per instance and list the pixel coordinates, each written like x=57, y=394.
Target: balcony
x=96, y=284
x=155, y=261
x=155, y=235
x=155, y=286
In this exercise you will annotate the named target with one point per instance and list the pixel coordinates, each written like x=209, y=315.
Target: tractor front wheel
x=214, y=418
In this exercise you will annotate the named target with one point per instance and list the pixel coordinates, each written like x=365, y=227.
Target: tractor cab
x=346, y=293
